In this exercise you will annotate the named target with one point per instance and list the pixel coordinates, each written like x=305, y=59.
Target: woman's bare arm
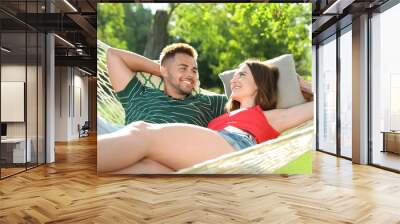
x=122, y=64
x=283, y=119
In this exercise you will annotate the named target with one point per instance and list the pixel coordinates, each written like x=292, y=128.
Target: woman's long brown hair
x=266, y=79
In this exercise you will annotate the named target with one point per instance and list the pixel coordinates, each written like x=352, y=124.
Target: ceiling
x=74, y=22
x=329, y=15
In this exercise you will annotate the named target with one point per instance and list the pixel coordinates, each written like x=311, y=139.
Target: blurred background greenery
x=223, y=34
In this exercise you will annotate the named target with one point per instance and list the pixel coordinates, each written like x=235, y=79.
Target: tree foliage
x=224, y=34
x=227, y=34
x=111, y=25
x=124, y=25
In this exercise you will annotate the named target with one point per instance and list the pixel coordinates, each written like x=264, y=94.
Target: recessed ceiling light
x=86, y=72
x=338, y=6
x=70, y=6
x=64, y=40
x=5, y=50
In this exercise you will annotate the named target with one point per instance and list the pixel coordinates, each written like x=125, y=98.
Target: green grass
x=301, y=165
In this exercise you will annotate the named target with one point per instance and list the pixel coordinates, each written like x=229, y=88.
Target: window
x=327, y=96
x=385, y=84
x=346, y=75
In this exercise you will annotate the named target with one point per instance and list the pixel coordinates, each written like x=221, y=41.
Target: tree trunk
x=158, y=35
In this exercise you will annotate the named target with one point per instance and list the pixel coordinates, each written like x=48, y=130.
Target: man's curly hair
x=170, y=50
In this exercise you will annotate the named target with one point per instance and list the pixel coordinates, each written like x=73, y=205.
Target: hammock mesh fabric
x=108, y=107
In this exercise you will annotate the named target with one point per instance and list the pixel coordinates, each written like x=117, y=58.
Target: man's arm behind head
x=122, y=65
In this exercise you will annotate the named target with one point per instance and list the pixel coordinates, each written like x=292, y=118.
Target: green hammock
x=108, y=107
x=288, y=154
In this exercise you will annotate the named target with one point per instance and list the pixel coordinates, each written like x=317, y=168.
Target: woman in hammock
x=252, y=118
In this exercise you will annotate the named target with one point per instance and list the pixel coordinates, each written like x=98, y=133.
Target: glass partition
x=13, y=105
x=22, y=78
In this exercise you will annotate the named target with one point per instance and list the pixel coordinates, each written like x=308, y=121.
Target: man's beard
x=177, y=86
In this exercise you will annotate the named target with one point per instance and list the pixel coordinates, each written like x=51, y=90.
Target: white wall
x=14, y=73
x=80, y=100
x=71, y=87
x=34, y=124
x=61, y=103
x=50, y=95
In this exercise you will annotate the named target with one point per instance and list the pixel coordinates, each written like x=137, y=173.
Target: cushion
x=289, y=93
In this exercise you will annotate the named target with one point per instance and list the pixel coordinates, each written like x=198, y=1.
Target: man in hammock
x=176, y=104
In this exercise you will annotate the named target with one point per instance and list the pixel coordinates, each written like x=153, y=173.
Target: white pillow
x=289, y=93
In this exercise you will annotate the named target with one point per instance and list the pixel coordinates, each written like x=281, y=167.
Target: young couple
x=173, y=129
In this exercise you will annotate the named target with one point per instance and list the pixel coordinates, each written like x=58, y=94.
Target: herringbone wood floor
x=70, y=192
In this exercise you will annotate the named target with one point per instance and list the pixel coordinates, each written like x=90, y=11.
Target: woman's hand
x=306, y=89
